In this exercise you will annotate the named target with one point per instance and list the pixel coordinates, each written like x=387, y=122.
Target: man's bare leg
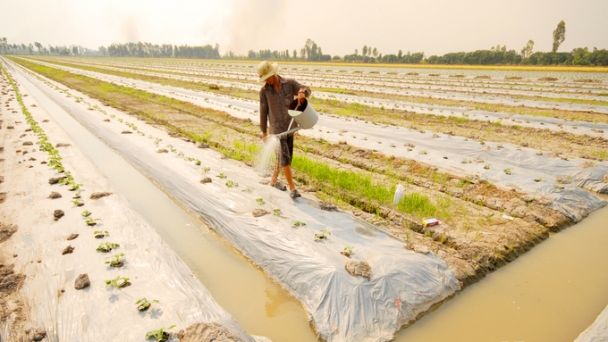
x=287, y=172
x=275, y=173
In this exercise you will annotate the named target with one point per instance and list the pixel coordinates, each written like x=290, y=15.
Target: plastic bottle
x=398, y=193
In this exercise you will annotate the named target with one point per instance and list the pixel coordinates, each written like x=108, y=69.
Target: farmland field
x=456, y=152
x=501, y=157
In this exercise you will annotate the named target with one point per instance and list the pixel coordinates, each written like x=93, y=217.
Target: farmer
x=276, y=95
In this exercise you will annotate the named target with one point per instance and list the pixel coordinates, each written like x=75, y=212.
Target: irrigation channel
x=552, y=293
x=567, y=272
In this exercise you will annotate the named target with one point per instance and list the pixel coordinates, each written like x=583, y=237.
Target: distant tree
x=375, y=52
x=30, y=48
x=527, y=50
x=38, y=46
x=356, y=52
x=364, y=51
x=400, y=54
x=4, y=46
x=559, y=35
x=295, y=54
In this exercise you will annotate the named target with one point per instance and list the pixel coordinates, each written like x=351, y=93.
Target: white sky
x=338, y=26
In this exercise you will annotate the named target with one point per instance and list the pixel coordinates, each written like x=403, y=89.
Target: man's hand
x=264, y=135
x=301, y=97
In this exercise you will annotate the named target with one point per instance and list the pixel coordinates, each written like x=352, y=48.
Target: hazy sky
x=338, y=26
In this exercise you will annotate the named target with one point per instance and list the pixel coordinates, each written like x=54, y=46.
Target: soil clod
x=62, y=145
x=98, y=195
x=206, y=180
x=56, y=180
x=358, y=268
x=7, y=231
x=72, y=237
x=259, y=212
x=28, y=143
x=206, y=332
x=54, y=195
x=203, y=145
x=9, y=280
x=57, y=214
x=67, y=250
x=162, y=150
x=82, y=282
x=327, y=206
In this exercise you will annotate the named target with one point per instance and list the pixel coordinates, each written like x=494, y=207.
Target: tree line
x=160, y=51
x=312, y=52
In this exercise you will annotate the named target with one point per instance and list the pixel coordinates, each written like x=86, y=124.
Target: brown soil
x=206, y=332
x=358, y=268
x=11, y=303
x=98, y=195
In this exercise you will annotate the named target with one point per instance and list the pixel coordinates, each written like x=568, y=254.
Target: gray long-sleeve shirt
x=273, y=105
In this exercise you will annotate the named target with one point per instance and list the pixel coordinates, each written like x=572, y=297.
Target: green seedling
x=75, y=187
x=118, y=282
x=68, y=180
x=508, y=171
x=299, y=224
x=323, y=235
x=116, y=260
x=277, y=212
x=248, y=189
x=260, y=201
x=78, y=202
x=100, y=234
x=231, y=184
x=86, y=213
x=222, y=175
x=106, y=247
x=92, y=221
x=206, y=169
x=160, y=335
x=559, y=187
x=143, y=304
x=198, y=162
x=348, y=250
x=77, y=194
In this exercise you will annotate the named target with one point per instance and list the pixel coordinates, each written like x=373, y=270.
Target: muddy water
x=551, y=293
x=256, y=302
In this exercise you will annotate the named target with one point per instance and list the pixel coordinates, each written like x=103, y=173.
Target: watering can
x=304, y=115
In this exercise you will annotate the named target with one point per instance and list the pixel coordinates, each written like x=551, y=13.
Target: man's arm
x=263, y=111
x=297, y=87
